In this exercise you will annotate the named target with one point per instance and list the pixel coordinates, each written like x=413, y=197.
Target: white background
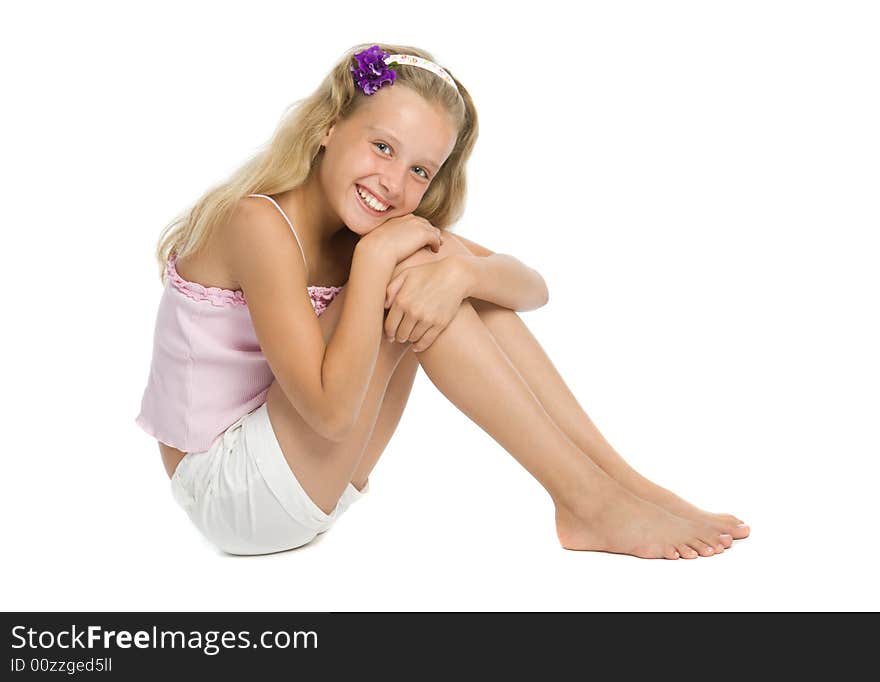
x=696, y=181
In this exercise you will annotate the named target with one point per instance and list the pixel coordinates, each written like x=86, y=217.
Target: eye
x=424, y=173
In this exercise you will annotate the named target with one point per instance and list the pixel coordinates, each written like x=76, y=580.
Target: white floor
x=451, y=523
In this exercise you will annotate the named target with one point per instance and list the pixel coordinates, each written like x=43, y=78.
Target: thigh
x=170, y=458
x=323, y=467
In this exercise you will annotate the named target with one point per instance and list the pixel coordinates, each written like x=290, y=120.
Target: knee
x=487, y=308
x=449, y=247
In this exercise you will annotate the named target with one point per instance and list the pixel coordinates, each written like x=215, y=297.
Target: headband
x=375, y=68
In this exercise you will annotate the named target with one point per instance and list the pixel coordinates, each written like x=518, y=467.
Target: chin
x=363, y=231
x=363, y=225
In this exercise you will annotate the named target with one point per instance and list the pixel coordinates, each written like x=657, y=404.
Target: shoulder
x=252, y=214
x=256, y=231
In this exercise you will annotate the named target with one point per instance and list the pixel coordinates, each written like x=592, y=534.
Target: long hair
x=288, y=158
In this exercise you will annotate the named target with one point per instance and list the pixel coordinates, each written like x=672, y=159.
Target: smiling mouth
x=362, y=201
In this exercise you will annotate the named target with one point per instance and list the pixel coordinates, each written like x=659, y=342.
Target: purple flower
x=371, y=72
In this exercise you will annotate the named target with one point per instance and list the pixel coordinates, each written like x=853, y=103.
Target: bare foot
x=650, y=491
x=615, y=520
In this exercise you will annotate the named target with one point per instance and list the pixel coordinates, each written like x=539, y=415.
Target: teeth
x=372, y=201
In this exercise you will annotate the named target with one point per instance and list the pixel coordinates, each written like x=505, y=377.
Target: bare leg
x=324, y=468
x=593, y=512
x=395, y=400
x=532, y=363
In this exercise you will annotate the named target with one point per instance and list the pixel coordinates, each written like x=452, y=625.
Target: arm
x=325, y=381
x=499, y=278
x=350, y=357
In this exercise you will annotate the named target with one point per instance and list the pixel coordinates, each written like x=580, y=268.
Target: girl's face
x=392, y=147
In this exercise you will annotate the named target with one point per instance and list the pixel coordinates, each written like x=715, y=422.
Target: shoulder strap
x=266, y=196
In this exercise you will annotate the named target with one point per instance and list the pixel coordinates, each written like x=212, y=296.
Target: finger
x=393, y=287
x=392, y=321
x=419, y=331
x=404, y=329
x=390, y=295
x=399, y=268
x=427, y=339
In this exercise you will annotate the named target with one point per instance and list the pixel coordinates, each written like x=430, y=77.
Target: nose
x=392, y=184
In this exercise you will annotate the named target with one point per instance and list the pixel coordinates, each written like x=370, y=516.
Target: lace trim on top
x=321, y=295
x=197, y=292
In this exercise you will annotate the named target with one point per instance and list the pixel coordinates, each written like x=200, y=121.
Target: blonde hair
x=288, y=158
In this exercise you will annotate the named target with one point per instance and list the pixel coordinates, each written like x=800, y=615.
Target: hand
x=398, y=238
x=422, y=300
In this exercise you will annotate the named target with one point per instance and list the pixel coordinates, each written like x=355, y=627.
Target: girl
x=302, y=295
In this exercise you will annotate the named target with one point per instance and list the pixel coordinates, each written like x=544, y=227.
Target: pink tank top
x=207, y=367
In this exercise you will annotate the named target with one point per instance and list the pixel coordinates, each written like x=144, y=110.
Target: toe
x=730, y=519
x=726, y=539
x=670, y=553
x=687, y=552
x=731, y=525
x=740, y=531
x=713, y=539
x=702, y=548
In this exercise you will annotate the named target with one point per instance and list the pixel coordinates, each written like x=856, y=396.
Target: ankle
x=587, y=500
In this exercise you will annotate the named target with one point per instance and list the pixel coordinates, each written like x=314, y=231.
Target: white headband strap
x=412, y=60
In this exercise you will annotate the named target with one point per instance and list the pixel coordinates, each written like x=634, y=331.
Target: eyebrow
x=399, y=144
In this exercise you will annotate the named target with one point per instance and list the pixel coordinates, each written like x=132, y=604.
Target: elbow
x=337, y=435
x=337, y=431
x=546, y=298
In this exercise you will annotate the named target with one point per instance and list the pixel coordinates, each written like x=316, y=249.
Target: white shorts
x=243, y=497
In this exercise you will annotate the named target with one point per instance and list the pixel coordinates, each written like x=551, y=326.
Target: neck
x=308, y=208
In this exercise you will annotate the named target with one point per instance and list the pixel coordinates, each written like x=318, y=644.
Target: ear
x=328, y=135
